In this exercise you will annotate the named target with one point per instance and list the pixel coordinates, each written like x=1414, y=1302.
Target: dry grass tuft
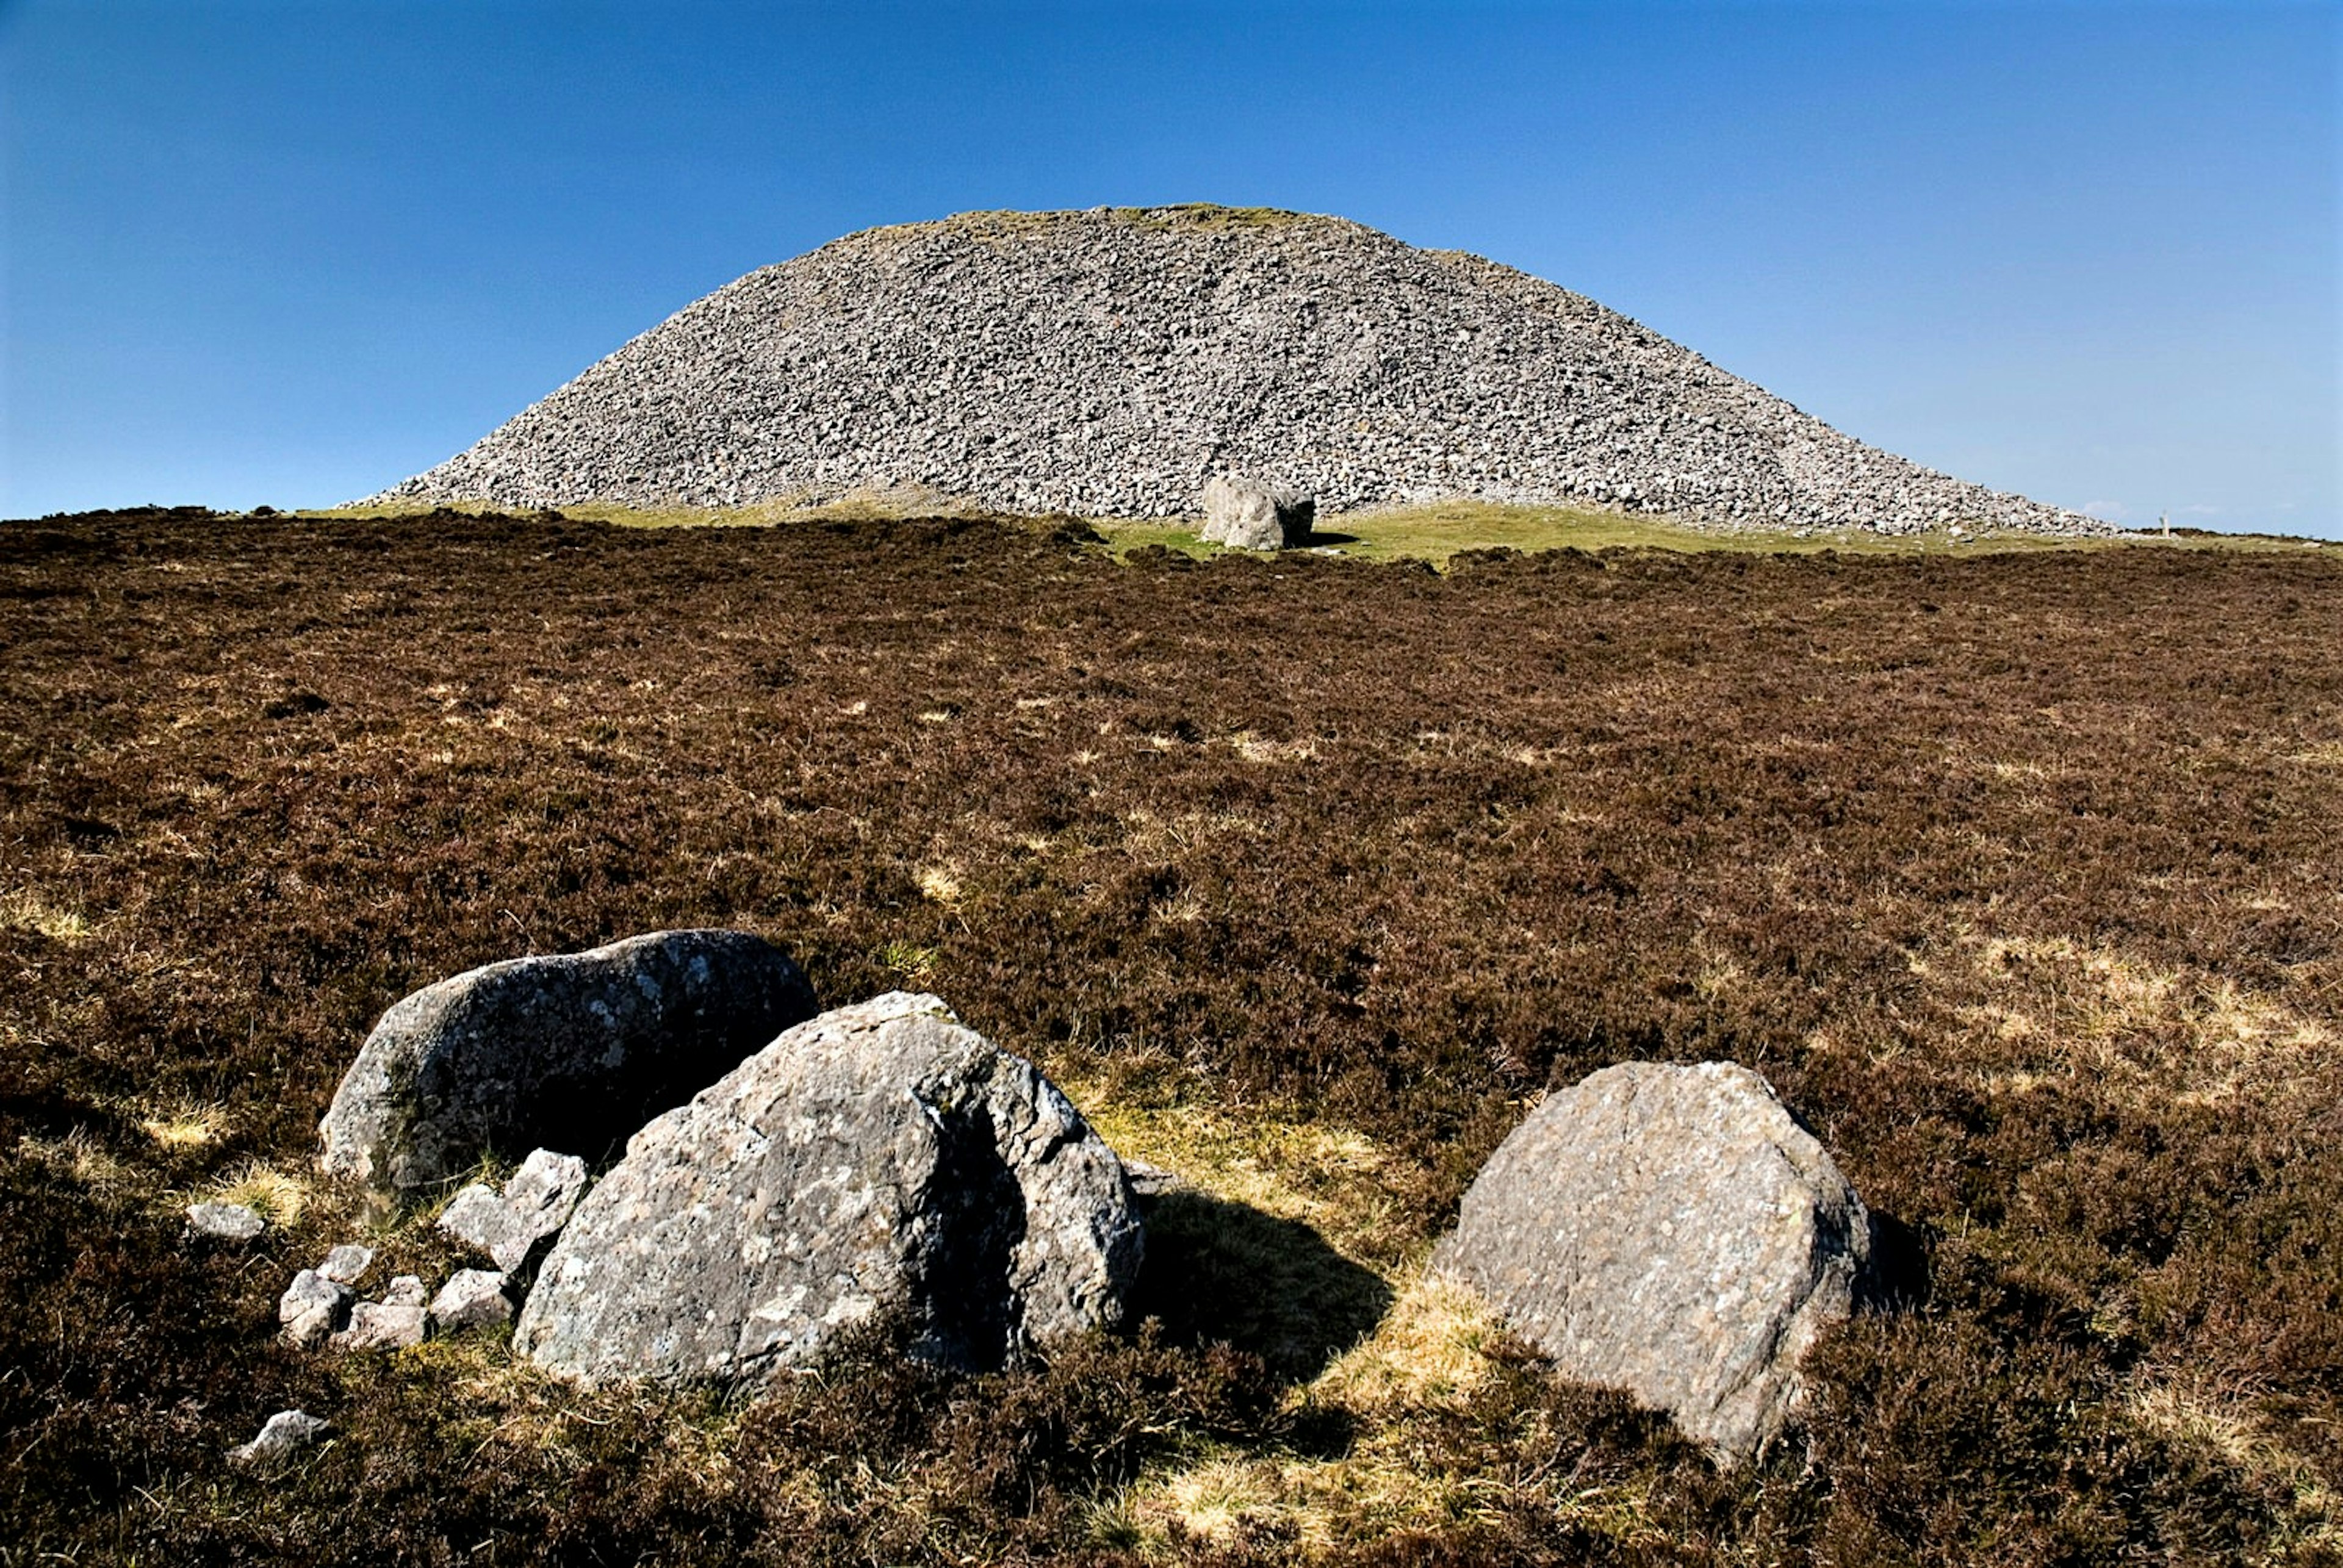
x=25, y=911
x=277, y=1195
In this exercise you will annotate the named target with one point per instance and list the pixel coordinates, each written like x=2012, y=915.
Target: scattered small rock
x=226, y=1222
x=573, y=1051
x=1246, y=516
x=1150, y=1181
x=285, y=1433
x=347, y=1263
x=395, y=1321
x=471, y=1299
x=880, y=1160
x=1671, y=1232
x=313, y=1307
x=534, y=1204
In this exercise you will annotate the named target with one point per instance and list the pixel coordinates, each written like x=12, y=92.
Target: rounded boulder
x=574, y=1050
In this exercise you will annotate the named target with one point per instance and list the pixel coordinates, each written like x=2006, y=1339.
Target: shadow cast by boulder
x=1899, y=1279
x=1224, y=1271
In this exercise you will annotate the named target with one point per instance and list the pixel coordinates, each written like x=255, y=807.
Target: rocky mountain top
x=1110, y=362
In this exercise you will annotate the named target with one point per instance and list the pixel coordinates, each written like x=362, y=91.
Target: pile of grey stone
x=1669, y=1231
x=1109, y=363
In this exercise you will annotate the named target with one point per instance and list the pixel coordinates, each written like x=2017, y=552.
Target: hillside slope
x=1106, y=362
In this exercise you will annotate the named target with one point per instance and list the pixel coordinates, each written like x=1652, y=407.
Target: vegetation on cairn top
x=2016, y=874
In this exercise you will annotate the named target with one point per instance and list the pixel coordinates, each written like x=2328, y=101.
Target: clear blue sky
x=289, y=253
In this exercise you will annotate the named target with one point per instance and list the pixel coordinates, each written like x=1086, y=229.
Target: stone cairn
x=1108, y=363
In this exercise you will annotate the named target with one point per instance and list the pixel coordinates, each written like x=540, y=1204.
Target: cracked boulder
x=573, y=1051
x=881, y=1161
x=1671, y=1231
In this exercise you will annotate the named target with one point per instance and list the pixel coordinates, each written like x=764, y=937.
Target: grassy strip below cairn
x=1430, y=531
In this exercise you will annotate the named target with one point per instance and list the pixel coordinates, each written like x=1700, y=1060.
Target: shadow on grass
x=1324, y=536
x=1222, y=1272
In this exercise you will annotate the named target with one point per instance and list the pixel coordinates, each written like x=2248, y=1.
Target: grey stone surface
x=1107, y=362
x=395, y=1321
x=226, y=1222
x=471, y=1299
x=347, y=1263
x=575, y=1050
x=534, y=1205
x=312, y=1308
x=1671, y=1232
x=1245, y=515
x=281, y=1436
x=882, y=1158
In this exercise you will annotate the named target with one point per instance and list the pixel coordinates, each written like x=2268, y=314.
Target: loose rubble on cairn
x=534, y=1204
x=1108, y=363
x=226, y=1222
x=1671, y=1232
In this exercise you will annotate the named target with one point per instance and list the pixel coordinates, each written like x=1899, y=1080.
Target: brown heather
x=2018, y=876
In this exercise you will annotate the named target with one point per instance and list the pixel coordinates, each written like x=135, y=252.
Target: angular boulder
x=1246, y=516
x=1671, y=1232
x=534, y=1205
x=575, y=1051
x=347, y=1263
x=881, y=1159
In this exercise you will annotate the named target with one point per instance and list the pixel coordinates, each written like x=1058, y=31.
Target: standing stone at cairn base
x=1245, y=516
x=1671, y=1231
x=881, y=1160
x=573, y=1051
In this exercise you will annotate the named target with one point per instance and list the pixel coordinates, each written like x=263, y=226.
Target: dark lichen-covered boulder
x=1671, y=1232
x=572, y=1052
x=881, y=1161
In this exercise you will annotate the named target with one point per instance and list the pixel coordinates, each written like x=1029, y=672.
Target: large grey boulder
x=1246, y=516
x=575, y=1051
x=1671, y=1232
x=881, y=1159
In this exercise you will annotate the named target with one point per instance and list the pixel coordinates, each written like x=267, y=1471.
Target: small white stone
x=281, y=1434
x=226, y=1222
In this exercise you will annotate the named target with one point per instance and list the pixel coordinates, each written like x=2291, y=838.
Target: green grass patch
x=1432, y=531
